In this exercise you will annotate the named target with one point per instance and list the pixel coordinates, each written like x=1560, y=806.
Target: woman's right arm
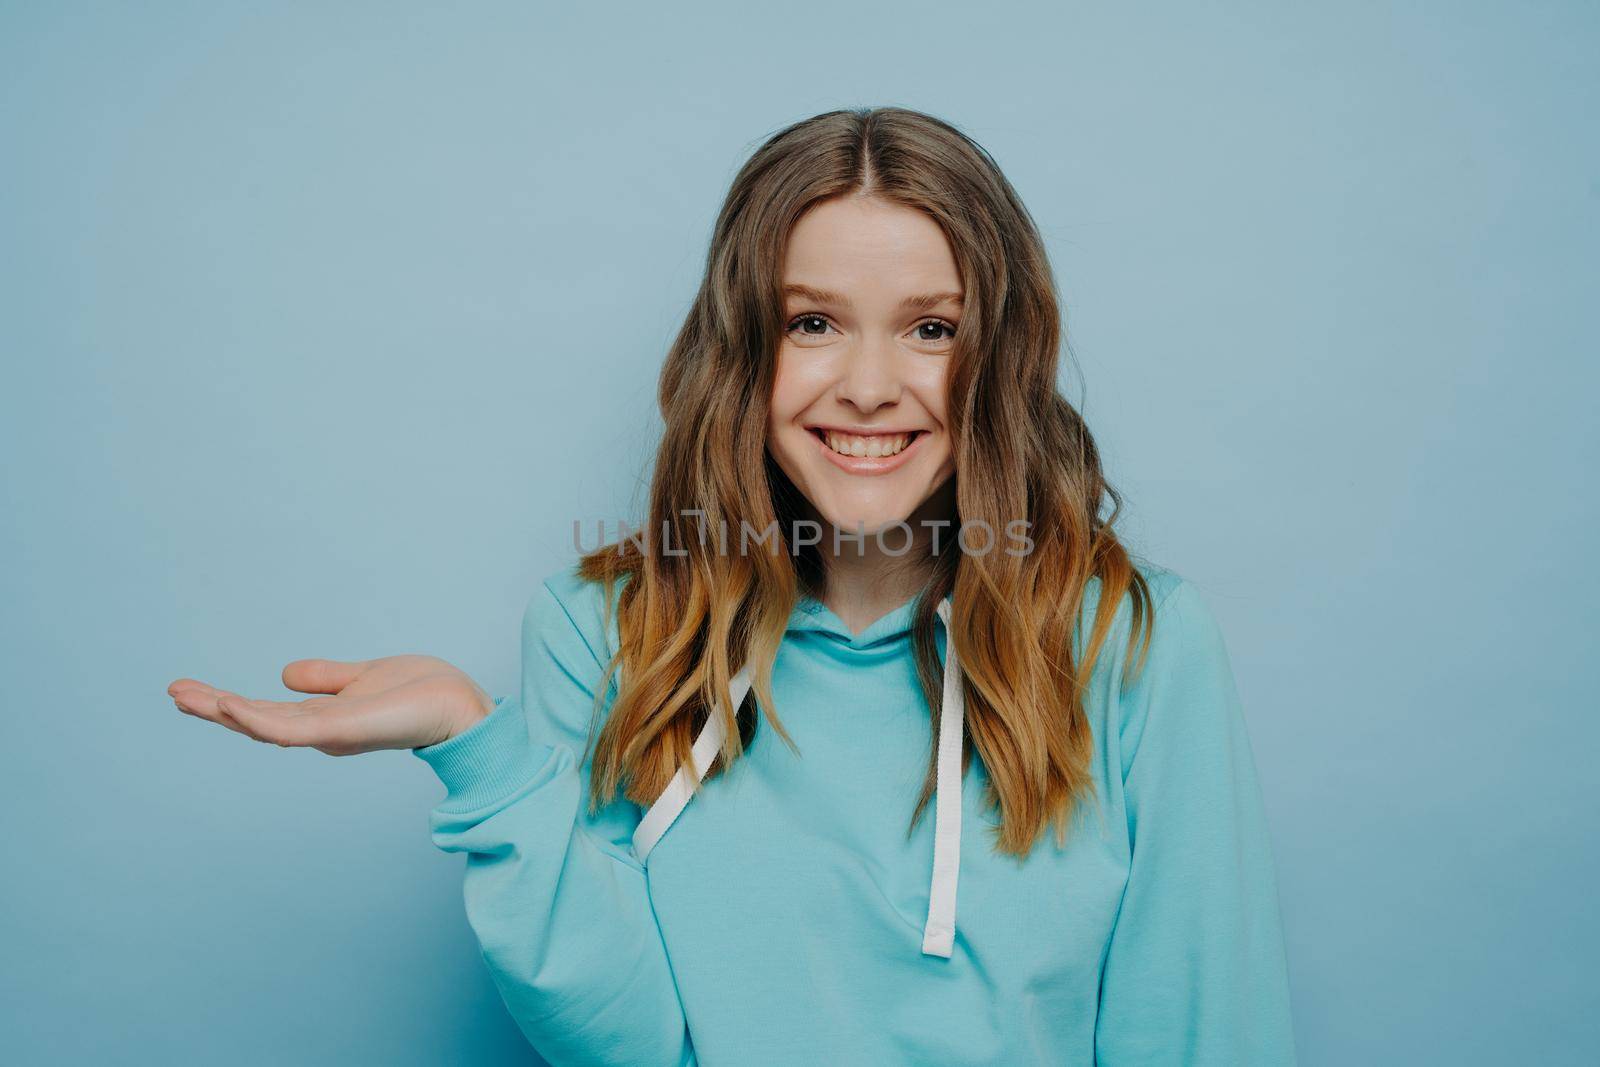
x=559, y=904
x=561, y=909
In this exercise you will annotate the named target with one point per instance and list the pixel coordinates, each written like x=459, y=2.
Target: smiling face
x=872, y=300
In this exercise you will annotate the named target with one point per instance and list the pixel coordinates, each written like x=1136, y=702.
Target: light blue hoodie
x=783, y=916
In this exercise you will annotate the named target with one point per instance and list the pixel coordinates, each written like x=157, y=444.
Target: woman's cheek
x=801, y=380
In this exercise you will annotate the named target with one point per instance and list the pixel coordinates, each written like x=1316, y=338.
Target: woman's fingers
x=197, y=698
x=322, y=675
x=232, y=710
x=201, y=700
x=288, y=725
x=338, y=726
x=312, y=723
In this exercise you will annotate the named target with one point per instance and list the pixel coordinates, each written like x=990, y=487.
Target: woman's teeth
x=867, y=447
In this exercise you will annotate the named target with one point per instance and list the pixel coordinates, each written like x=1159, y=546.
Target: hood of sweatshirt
x=810, y=614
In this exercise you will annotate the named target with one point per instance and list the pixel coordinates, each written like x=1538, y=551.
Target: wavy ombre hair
x=687, y=621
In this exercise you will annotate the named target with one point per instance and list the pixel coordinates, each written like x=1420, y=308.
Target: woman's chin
x=870, y=523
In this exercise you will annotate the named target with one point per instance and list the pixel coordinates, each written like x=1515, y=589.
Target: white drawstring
x=938, y=934
x=673, y=799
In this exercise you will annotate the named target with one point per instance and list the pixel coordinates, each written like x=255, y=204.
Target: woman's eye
x=809, y=320
x=811, y=325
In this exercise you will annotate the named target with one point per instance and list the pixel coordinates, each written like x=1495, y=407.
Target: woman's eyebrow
x=920, y=302
x=929, y=301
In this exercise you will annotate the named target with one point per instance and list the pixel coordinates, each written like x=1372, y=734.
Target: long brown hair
x=686, y=622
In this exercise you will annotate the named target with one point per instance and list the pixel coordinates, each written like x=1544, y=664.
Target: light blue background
x=321, y=323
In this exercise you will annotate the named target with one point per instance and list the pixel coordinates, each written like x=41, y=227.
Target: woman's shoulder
x=1161, y=585
x=1179, y=610
x=1181, y=622
x=1177, y=703
x=565, y=606
x=1162, y=581
x=1184, y=678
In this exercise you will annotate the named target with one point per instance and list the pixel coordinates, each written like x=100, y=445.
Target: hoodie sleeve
x=1195, y=973
x=560, y=908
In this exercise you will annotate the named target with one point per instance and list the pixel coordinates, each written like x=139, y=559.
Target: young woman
x=875, y=651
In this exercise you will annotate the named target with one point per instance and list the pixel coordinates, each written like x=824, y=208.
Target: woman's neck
x=863, y=582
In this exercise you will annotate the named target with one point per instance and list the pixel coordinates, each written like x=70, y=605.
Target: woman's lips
x=869, y=464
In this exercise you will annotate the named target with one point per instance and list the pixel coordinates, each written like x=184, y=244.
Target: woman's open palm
x=407, y=701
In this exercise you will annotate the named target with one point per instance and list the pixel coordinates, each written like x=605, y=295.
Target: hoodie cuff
x=486, y=761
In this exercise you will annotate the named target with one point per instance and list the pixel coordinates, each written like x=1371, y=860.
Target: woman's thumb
x=321, y=675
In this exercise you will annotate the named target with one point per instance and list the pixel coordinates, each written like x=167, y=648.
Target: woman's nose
x=871, y=376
